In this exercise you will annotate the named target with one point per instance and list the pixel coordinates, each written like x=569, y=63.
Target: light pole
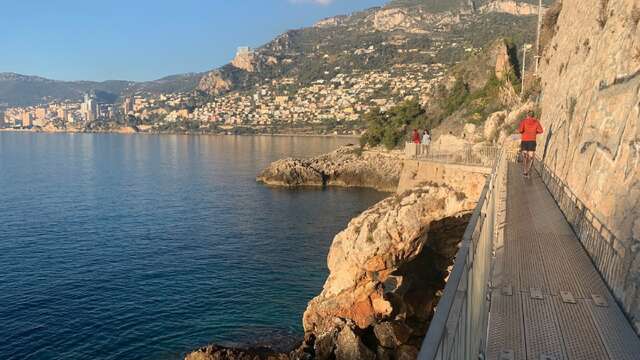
x=538, y=35
x=525, y=47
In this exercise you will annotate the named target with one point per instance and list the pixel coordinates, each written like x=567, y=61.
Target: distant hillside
x=402, y=32
x=25, y=90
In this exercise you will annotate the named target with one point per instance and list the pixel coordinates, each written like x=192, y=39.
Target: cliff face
x=385, y=270
x=591, y=112
x=347, y=166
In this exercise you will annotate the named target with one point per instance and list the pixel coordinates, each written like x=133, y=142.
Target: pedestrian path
x=548, y=300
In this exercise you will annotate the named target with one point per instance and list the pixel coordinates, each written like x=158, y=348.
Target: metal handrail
x=459, y=333
x=609, y=255
x=468, y=155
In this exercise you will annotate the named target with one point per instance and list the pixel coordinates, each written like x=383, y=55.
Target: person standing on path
x=530, y=128
x=415, y=137
x=426, y=138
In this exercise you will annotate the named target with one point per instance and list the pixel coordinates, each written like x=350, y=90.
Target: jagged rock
x=348, y=166
x=245, y=61
x=214, y=83
x=350, y=347
x=213, y=352
x=324, y=345
x=395, y=253
x=510, y=7
x=493, y=124
x=407, y=352
x=392, y=334
x=591, y=91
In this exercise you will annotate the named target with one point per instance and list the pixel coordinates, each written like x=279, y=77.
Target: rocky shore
x=387, y=269
x=349, y=166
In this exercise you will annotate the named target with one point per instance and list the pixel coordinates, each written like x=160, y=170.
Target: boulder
x=349, y=347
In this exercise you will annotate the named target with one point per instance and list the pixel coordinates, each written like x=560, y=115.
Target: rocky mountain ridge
x=402, y=32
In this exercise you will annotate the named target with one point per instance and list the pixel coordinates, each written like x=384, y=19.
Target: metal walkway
x=548, y=301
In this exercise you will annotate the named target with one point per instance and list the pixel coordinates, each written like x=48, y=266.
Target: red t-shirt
x=530, y=128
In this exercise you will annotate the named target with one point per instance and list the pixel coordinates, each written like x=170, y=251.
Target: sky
x=145, y=39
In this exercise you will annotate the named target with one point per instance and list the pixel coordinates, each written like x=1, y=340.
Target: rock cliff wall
x=468, y=180
x=591, y=111
x=386, y=268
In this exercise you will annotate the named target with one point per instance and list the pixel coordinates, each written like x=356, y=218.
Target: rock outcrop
x=348, y=166
x=386, y=269
x=510, y=7
x=214, y=83
x=591, y=113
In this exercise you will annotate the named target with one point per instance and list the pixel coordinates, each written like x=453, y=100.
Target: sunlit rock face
x=347, y=167
x=590, y=72
x=385, y=270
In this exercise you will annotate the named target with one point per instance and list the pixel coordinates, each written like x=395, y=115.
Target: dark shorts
x=528, y=145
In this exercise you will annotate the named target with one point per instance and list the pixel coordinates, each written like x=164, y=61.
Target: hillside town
x=277, y=105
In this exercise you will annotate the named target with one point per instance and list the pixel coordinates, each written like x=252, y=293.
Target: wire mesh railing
x=612, y=258
x=458, y=328
x=479, y=155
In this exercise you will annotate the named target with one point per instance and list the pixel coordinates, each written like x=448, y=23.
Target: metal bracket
x=536, y=294
x=567, y=297
x=600, y=300
x=507, y=355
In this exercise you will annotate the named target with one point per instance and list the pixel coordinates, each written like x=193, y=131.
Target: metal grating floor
x=543, y=302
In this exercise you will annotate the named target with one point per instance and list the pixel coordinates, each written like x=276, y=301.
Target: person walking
x=529, y=129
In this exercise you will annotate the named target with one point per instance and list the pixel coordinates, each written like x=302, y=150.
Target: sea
x=150, y=246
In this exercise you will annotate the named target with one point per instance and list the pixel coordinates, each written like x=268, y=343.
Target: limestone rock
x=591, y=90
x=510, y=7
x=349, y=347
x=379, y=263
x=392, y=334
x=214, y=83
x=348, y=166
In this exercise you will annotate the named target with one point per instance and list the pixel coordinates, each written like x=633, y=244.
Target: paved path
x=548, y=301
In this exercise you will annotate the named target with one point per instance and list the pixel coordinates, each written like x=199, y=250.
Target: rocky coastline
x=387, y=267
x=348, y=166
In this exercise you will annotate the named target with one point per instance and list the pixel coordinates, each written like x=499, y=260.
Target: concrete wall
x=469, y=180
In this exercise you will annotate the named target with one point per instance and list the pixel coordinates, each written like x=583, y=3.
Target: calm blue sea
x=145, y=247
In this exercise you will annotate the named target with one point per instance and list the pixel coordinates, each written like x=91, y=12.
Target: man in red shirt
x=529, y=128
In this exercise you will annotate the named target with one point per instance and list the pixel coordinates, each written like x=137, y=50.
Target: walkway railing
x=468, y=155
x=458, y=329
x=610, y=256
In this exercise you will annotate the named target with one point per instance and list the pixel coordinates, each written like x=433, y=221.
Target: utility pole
x=525, y=47
x=538, y=36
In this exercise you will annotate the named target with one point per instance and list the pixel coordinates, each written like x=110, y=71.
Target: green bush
x=391, y=128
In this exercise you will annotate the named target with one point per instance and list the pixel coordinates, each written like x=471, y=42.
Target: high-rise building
x=127, y=105
x=26, y=119
x=89, y=108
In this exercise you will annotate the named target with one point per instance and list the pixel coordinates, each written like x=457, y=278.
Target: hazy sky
x=145, y=39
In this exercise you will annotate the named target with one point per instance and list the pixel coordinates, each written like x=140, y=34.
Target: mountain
x=401, y=32
x=25, y=90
